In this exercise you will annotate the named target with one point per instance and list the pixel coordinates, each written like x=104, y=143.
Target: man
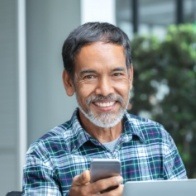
x=98, y=70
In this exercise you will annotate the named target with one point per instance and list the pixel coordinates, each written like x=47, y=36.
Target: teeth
x=104, y=104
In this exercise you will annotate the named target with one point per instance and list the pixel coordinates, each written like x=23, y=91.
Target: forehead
x=100, y=45
x=101, y=53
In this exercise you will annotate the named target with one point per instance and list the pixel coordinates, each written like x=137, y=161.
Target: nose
x=104, y=86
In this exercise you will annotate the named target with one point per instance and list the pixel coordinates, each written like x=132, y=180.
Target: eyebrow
x=92, y=71
x=119, y=69
x=87, y=71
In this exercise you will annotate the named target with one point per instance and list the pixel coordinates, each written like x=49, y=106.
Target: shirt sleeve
x=172, y=163
x=38, y=176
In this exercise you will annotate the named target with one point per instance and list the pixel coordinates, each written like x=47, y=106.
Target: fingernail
x=119, y=179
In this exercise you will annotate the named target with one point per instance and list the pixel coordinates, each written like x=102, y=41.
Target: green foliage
x=165, y=86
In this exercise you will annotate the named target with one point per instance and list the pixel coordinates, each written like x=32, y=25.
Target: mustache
x=108, y=98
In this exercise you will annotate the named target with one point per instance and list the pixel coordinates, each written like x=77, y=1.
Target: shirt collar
x=132, y=128
x=81, y=136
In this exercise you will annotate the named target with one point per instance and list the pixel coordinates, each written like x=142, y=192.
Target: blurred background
x=32, y=97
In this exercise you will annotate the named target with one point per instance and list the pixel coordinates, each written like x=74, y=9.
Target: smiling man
x=98, y=70
x=102, y=83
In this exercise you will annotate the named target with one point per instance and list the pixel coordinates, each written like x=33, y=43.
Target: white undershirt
x=111, y=145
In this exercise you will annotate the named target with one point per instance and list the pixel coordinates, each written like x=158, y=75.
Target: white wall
x=48, y=24
x=98, y=10
x=8, y=97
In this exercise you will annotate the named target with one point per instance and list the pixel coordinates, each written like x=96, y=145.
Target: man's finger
x=81, y=179
x=118, y=191
x=106, y=184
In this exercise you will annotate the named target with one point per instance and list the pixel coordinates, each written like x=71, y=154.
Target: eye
x=89, y=77
x=118, y=74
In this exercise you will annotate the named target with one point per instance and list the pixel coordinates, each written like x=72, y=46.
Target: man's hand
x=81, y=186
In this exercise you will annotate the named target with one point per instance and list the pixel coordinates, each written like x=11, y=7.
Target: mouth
x=110, y=103
x=105, y=106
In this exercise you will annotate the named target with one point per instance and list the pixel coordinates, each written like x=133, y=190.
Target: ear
x=130, y=72
x=68, y=83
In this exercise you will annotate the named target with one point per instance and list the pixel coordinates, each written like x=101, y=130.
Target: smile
x=104, y=104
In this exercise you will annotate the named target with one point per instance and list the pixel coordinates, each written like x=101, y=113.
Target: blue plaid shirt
x=145, y=149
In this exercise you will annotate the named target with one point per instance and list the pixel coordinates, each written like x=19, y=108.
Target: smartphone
x=104, y=168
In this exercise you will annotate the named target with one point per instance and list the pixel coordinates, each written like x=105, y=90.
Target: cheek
x=123, y=87
x=82, y=94
x=84, y=90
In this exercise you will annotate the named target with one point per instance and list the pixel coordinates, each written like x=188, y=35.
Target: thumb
x=82, y=179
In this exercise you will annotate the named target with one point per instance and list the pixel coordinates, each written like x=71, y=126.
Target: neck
x=100, y=133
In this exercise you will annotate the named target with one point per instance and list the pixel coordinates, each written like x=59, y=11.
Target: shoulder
x=54, y=140
x=148, y=130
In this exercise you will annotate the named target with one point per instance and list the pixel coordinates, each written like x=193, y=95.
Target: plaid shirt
x=145, y=149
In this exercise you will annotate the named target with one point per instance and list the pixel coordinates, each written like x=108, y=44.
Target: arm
x=172, y=164
x=38, y=178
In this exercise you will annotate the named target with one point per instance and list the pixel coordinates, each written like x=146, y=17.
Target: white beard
x=105, y=120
